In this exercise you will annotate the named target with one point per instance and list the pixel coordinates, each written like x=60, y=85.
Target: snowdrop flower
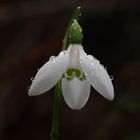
x=77, y=70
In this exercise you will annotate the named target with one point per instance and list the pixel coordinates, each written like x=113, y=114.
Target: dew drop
x=52, y=58
x=97, y=61
x=38, y=69
x=64, y=52
x=28, y=88
x=111, y=77
x=100, y=67
x=32, y=78
x=92, y=64
x=61, y=54
x=90, y=57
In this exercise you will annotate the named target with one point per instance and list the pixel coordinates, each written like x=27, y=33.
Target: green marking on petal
x=77, y=72
x=71, y=73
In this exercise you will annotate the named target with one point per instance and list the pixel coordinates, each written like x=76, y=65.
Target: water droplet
x=28, y=88
x=38, y=69
x=111, y=77
x=92, y=64
x=100, y=67
x=52, y=58
x=97, y=61
x=64, y=52
x=32, y=78
x=61, y=54
x=90, y=57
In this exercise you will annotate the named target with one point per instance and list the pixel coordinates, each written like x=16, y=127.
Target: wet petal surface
x=97, y=75
x=49, y=74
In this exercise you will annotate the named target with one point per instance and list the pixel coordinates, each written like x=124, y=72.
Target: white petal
x=75, y=92
x=49, y=74
x=74, y=55
x=97, y=75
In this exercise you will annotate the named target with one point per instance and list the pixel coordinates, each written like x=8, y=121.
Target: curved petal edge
x=49, y=74
x=75, y=92
x=97, y=75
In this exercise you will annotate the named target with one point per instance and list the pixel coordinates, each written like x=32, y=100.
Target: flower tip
x=111, y=99
x=32, y=92
x=111, y=96
x=75, y=107
x=108, y=93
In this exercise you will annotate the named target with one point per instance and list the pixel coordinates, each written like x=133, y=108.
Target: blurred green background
x=31, y=31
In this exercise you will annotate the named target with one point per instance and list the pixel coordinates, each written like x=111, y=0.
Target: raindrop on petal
x=90, y=57
x=64, y=52
x=101, y=67
x=111, y=77
x=52, y=57
x=61, y=54
x=28, y=88
x=32, y=78
x=97, y=61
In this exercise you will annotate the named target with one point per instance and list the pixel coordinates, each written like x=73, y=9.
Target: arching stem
x=55, y=130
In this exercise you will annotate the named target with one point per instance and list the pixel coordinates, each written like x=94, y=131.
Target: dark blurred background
x=31, y=31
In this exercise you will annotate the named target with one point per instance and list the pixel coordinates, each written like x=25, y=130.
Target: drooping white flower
x=78, y=71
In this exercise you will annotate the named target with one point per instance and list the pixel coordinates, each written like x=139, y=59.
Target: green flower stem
x=57, y=109
x=76, y=15
x=58, y=91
